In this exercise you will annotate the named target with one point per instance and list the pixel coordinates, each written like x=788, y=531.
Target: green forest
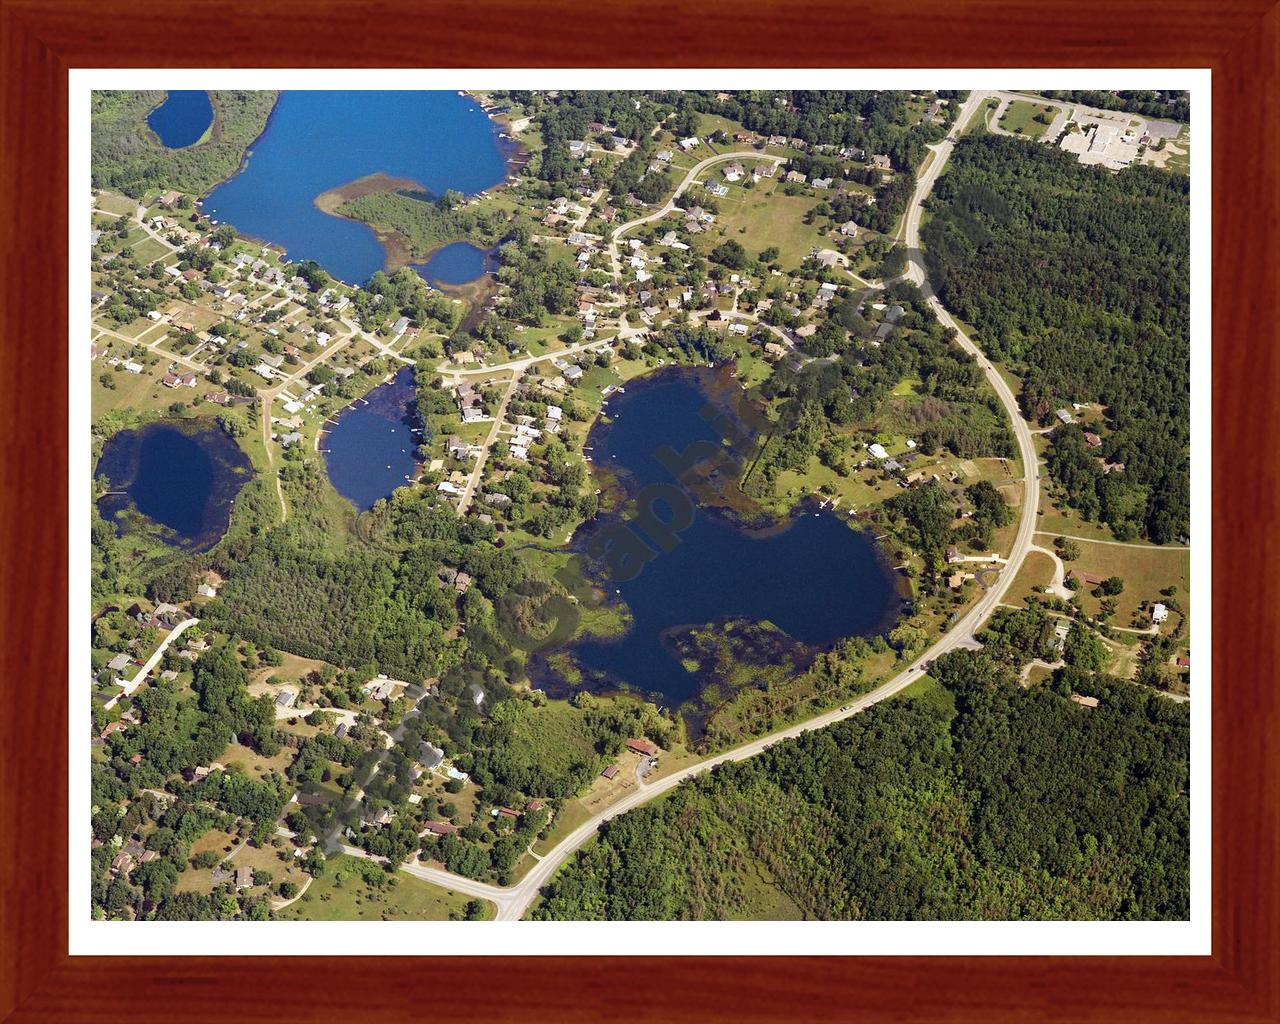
x=1174, y=104
x=975, y=799
x=1080, y=280
x=126, y=155
x=427, y=222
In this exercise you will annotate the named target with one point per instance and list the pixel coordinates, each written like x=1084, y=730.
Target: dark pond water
x=457, y=263
x=183, y=475
x=182, y=118
x=814, y=577
x=370, y=449
x=316, y=141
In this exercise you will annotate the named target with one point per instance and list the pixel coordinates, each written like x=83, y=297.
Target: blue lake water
x=182, y=475
x=182, y=118
x=371, y=448
x=456, y=263
x=316, y=141
x=814, y=577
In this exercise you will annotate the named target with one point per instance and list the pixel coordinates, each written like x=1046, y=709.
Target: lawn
x=711, y=123
x=141, y=392
x=254, y=764
x=770, y=219
x=1146, y=570
x=1019, y=117
x=1036, y=571
x=201, y=879
x=113, y=202
x=1055, y=519
x=292, y=667
x=148, y=250
x=342, y=894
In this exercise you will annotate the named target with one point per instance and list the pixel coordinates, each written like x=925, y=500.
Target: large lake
x=183, y=117
x=182, y=475
x=814, y=576
x=371, y=447
x=316, y=141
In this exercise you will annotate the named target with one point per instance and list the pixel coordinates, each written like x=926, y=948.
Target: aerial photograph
x=616, y=505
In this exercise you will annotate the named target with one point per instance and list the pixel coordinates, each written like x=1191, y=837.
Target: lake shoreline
x=724, y=511
x=216, y=131
x=397, y=248
x=212, y=133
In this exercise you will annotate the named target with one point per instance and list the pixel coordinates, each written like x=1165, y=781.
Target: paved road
x=523, y=363
x=154, y=660
x=512, y=902
x=473, y=480
x=689, y=179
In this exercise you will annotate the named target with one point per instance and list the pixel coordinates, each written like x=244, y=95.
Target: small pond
x=454, y=264
x=181, y=475
x=182, y=119
x=371, y=446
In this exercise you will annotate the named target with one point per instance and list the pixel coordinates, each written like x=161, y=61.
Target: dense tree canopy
x=1080, y=279
x=990, y=803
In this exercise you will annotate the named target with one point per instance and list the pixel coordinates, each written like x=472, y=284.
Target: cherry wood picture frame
x=41, y=39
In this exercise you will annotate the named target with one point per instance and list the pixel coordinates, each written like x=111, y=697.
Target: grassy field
x=554, y=736
x=1036, y=571
x=254, y=764
x=114, y=202
x=1019, y=117
x=762, y=217
x=1146, y=570
x=1054, y=518
x=929, y=691
x=342, y=894
x=762, y=899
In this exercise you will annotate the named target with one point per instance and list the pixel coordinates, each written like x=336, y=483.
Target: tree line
x=1080, y=279
x=983, y=801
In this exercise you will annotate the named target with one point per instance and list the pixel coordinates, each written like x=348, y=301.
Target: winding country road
x=512, y=902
